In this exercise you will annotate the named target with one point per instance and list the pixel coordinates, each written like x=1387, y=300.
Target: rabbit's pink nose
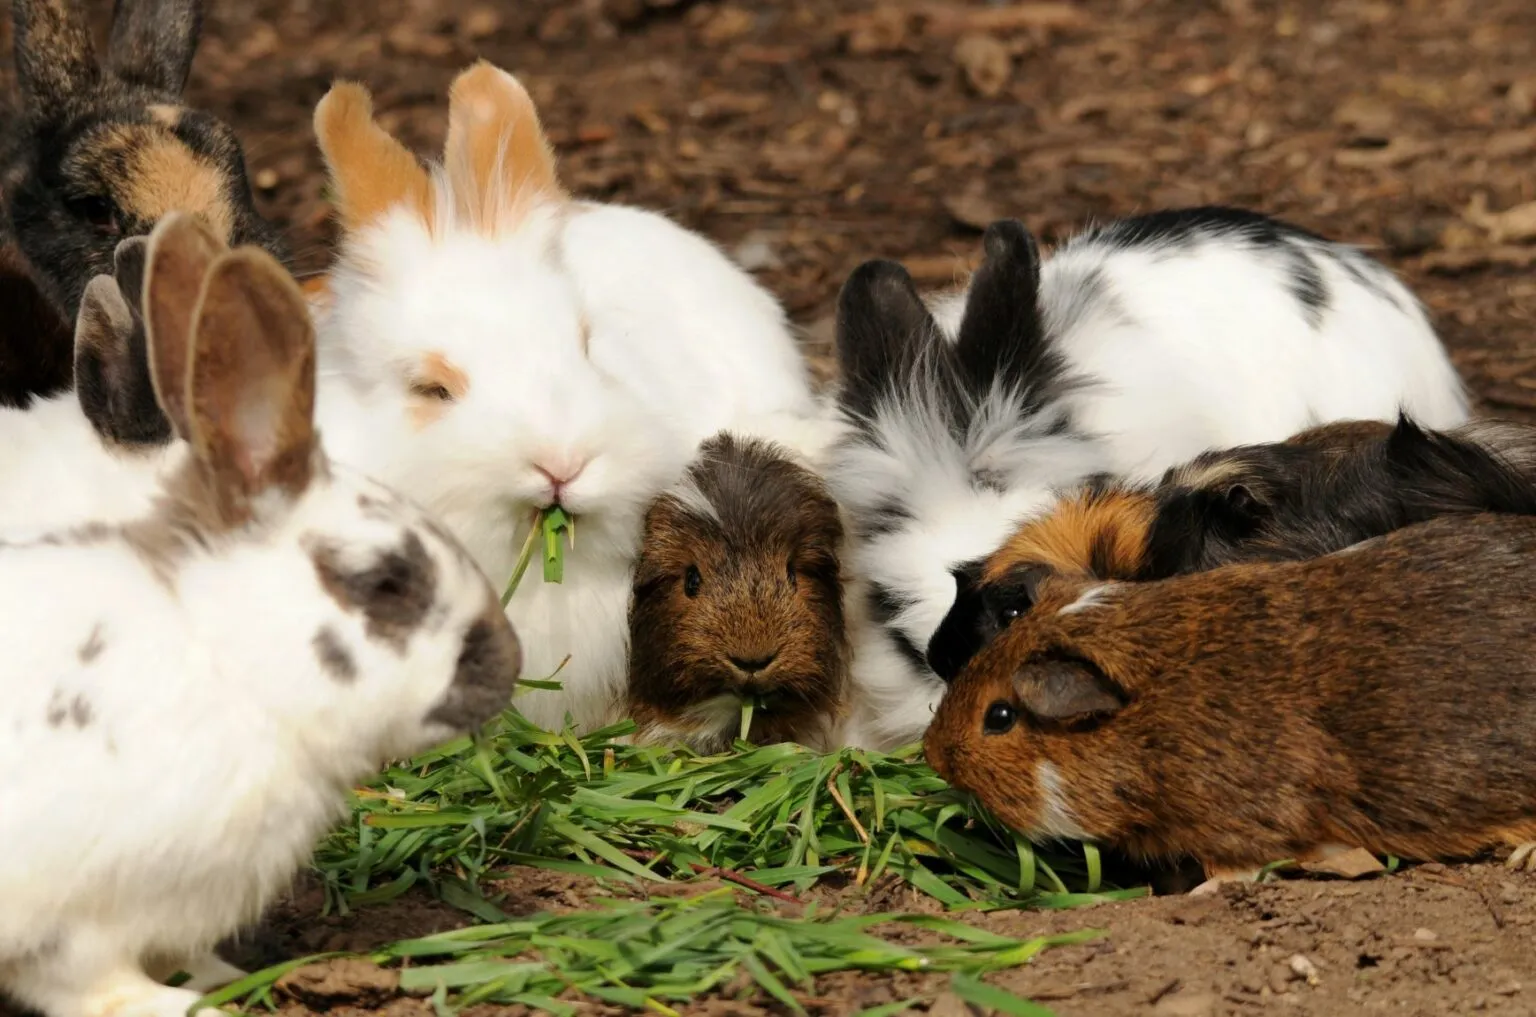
x=560, y=476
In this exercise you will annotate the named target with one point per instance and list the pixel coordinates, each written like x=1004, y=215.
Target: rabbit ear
x=55, y=58
x=499, y=163
x=370, y=172
x=130, y=261
x=253, y=384
x=112, y=379
x=153, y=42
x=181, y=250
x=883, y=331
x=1001, y=336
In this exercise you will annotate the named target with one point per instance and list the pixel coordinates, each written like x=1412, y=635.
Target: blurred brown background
x=808, y=135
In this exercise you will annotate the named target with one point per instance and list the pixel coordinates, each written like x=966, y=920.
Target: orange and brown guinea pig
x=1322, y=490
x=1269, y=710
x=738, y=595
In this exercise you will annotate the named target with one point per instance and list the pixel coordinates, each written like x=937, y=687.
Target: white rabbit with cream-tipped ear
x=496, y=346
x=187, y=697
x=1132, y=349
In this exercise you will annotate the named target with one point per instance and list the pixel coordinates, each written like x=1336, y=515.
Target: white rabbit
x=96, y=452
x=1135, y=347
x=187, y=697
x=494, y=346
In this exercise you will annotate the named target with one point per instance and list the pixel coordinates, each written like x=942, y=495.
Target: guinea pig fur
x=1322, y=490
x=738, y=593
x=1270, y=710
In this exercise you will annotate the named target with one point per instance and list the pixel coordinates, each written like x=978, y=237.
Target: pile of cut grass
x=646, y=954
x=777, y=816
x=772, y=820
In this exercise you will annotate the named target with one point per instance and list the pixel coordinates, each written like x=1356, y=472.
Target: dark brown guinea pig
x=738, y=595
x=1383, y=697
x=1318, y=492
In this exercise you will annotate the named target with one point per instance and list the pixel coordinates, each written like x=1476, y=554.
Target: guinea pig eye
x=431, y=390
x=790, y=572
x=98, y=211
x=1000, y=718
x=692, y=580
x=1008, y=614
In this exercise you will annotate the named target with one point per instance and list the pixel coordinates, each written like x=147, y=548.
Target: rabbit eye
x=1000, y=718
x=99, y=212
x=431, y=390
x=692, y=580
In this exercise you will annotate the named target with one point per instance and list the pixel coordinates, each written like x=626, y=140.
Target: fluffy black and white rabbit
x=188, y=696
x=1135, y=347
x=102, y=149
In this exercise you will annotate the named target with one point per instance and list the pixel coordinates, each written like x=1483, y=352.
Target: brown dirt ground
x=808, y=135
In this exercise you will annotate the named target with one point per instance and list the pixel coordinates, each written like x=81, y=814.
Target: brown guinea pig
x=1318, y=492
x=1383, y=697
x=738, y=595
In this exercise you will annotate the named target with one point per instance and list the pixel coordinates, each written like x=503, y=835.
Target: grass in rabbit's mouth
x=544, y=535
x=774, y=821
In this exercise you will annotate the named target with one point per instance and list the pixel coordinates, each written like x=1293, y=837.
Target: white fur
x=56, y=471
x=162, y=790
x=594, y=334
x=1055, y=818
x=1176, y=350
x=1090, y=598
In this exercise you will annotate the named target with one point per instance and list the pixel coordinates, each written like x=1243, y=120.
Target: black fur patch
x=1305, y=282
x=396, y=593
x=483, y=678
x=1181, y=226
x=335, y=659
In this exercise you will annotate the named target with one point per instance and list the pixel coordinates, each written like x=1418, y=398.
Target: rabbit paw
x=204, y=974
x=125, y=993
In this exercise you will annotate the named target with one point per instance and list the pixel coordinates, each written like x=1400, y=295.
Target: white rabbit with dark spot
x=189, y=695
x=1135, y=347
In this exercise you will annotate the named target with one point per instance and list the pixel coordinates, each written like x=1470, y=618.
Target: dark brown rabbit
x=1383, y=697
x=738, y=595
x=103, y=149
x=1322, y=490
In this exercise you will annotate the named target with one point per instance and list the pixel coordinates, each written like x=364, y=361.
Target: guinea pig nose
x=752, y=665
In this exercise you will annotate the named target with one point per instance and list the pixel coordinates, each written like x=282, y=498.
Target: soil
x=1432, y=940
x=809, y=135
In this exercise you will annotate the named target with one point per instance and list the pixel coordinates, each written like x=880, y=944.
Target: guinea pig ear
x=153, y=42
x=55, y=57
x=883, y=331
x=1002, y=339
x=1062, y=689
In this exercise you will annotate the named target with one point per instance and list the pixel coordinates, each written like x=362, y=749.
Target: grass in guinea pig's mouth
x=547, y=524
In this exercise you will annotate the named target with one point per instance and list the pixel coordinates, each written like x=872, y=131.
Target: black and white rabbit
x=1135, y=347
